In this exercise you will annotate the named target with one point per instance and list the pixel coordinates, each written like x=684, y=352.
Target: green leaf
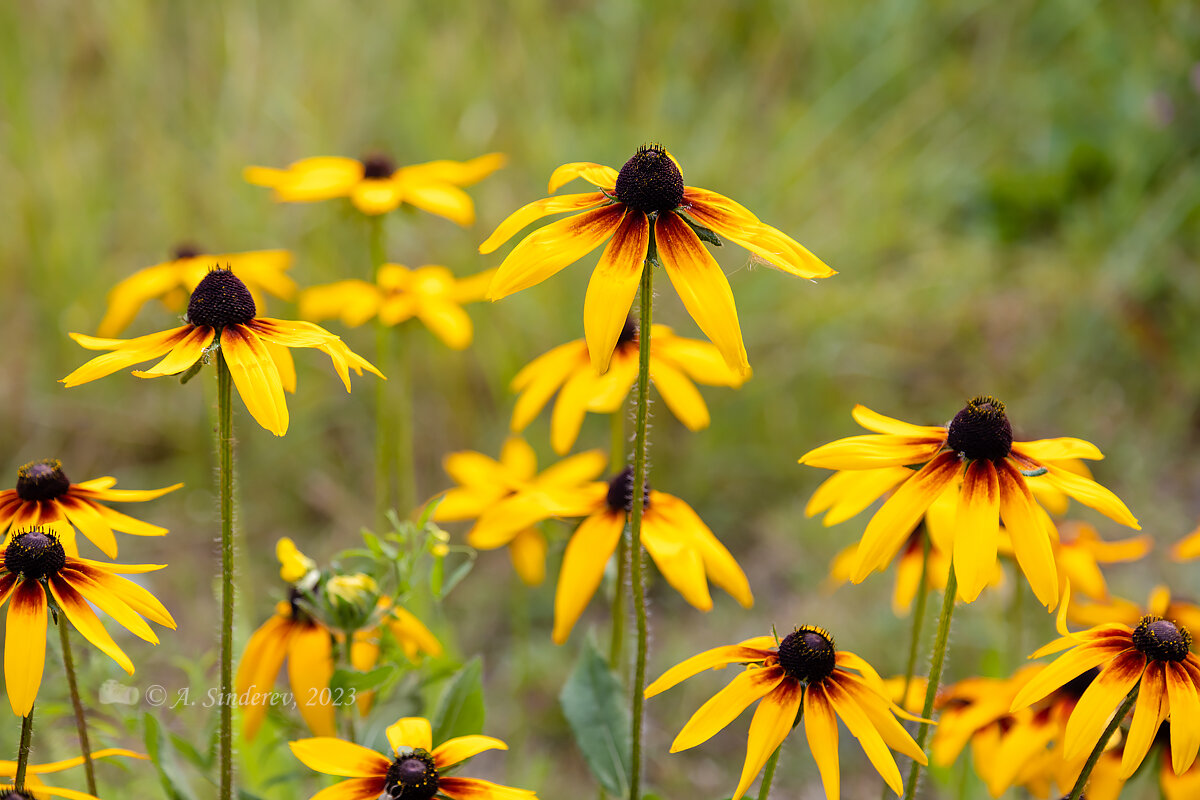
x=156, y=745
x=594, y=705
x=460, y=710
x=191, y=371
x=346, y=679
x=705, y=234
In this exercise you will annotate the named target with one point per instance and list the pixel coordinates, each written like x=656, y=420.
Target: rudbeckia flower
x=509, y=497
x=803, y=667
x=976, y=459
x=35, y=564
x=682, y=547
x=1160, y=603
x=44, y=495
x=375, y=185
x=647, y=192
x=676, y=365
x=430, y=294
x=221, y=313
x=36, y=790
x=415, y=770
x=172, y=282
x=1153, y=659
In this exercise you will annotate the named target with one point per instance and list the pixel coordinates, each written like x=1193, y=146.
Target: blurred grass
x=1008, y=189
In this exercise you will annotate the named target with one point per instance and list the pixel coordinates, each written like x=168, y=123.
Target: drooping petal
x=872, y=451
x=595, y=174
x=310, y=179
x=540, y=379
x=770, y=725
x=612, y=287
x=570, y=472
x=352, y=301
x=582, y=568
x=256, y=378
x=1099, y=701
x=125, y=353
x=85, y=621
x=414, y=732
x=98, y=489
x=412, y=634
x=441, y=199
x=1069, y=665
x=846, y=493
x=680, y=395
x=535, y=211
x=518, y=458
x=570, y=409
x=861, y=727
x=527, y=550
x=108, y=602
x=748, y=651
x=376, y=195
x=719, y=563
x=459, y=173
x=90, y=579
x=182, y=355
x=1030, y=543
x=260, y=663
x=353, y=789
x=1148, y=713
x=1091, y=494
x=448, y=322
x=25, y=645
x=337, y=757
x=1058, y=449
x=87, y=519
x=677, y=560
x=127, y=297
x=725, y=706
x=477, y=789
x=879, y=711
x=497, y=525
x=977, y=528
x=1185, y=715
x=461, y=748
x=310, y=668
x=470, y=468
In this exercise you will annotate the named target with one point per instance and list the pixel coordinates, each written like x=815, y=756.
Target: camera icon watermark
x=113, y=692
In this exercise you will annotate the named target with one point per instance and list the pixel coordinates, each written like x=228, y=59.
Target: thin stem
x=637, y=507
x=351, y=708
x=406, y=470
x=85, y=746
x=764, y=788
x=225, y=457
x=914, y=644
x=1081, y=782
x=23, y=751
x=937, y=661
x=617, y=462
x=384, y=435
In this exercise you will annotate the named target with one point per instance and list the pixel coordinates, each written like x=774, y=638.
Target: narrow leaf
x=460, y=710
x=594, y=705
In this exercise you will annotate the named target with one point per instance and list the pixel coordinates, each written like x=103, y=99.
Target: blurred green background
x=1009, y=191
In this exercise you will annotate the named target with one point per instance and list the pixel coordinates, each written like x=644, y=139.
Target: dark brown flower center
x=42, y=480
x=35, y=554
x=220, y=299
x=186, y=250
x=807, y=654
x=629, y=333
x=1161, y=639
x=620, y=492
x=377, y=166
x=981, y=431
x=412, y=776
x=650, y=181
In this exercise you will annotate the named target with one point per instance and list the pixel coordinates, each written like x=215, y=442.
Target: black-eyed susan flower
x=509, y=497
x=430, y=294
x=415, y=770
x=35, y=789
x=221, y=313
x=684, y=549
x=1154, y=660
x=976, y=459
x=37, y=572
x=1160, y=603
x=644, y=205
x=44, y=494
x=375, y=185
x=676, y=365
x=173, y=281
x=802, y=673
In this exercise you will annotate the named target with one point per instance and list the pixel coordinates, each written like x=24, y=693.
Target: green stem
x=23, y=751
x=384, y=435
x=764, y=788
x=85, y=747
x=351, y=708
x=617, y=461
x=402, y=408
x=225, y=457
x=1081, y=782
x=937, y=661
x=637, y=507
x=914, y=644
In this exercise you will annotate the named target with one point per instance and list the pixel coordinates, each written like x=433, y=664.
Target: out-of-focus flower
x=37, y=790
x=293, y=565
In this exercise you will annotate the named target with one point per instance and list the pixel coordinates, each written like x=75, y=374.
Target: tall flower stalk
x=23, y=751
x=85, y=747
x=936, y=663
x=225, y=490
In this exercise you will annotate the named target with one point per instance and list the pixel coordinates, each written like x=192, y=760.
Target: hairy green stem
x=617, y=463
x=1098, y=750
x=85, y=747
x=23, y=751
x=764, y=788
x=225, y=458
x=914, y=644
x=637, y=507
x=936, y=662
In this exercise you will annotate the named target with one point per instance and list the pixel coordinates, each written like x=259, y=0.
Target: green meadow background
x=1010, y=191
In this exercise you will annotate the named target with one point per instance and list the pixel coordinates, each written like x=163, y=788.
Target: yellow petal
x=582, y=569
x=678, y=561
x=770, y=725
x=477, y=789
x=1030, y=543
x=310, y=668
x=460, y=173
x=84, y=619
x=1185, y=715
x=1058, y=449
x=461, y=748
x=183, y=355
x=448, y=322
x=412, y=732
x=106, y=601
x=128, y=296
x=541, y=378
x=376, y=195
x=679, y=394
x=595, y=174
x=535, y=211
x=313, y=179
x=861, y=727
x=547, y=250
x=1069, y=665
x=725, y=706
x=570, y=408
x=1149, y=711
x=441, y=199
x=126, y=353
x=518, y=458
x=977, y=527
x=750, y=650
x=25, y=645
x=497, y=525
x=612, y=287
x=570, y=472
x=872, y=451
x=353, y=302
x=256, y=377
x=1098, y=703
x=1091, y=494
x=260, y=663
x=874, y=421
x=528, y=553
x=820, y=728
x=336, y=757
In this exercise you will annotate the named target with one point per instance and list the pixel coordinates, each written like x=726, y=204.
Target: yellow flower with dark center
x=976, y=459
x=1155, y=658
x=675, y=363
x=683, y=548
x=375, y=185
x=509, y=497
x=416, y=770
x=430, y=294
x=646, y=202
x=255, y=348
x=172, y=282
x=1160, y=603
x=35, y=564
x=803, y=667
x=37, y=790
x=44, y=495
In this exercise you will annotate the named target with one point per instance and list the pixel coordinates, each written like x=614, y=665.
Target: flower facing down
x=36, y=565
x=44, y=495
x=36, y=790
x=683, y=548
x=430, y=294
x=375, y=185
x=976, y=459
x=804, y=669
x=172, y=282
x=676, y=365
x=644, y=205
x=415, y=770
x=221, y=313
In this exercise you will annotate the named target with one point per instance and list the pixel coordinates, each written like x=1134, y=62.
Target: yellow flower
x=351, y=589
x=1079, y=551
x=1187, y=548
x=682, y=547
x=37, y=790
x=976, y=449
x=44, y=495
x=256, y=349
x=803, y=668
x=35, y=564
x=675, y=362
x=172, y=282
x=293, y=565
x=647, y=192
x=415, y=770
x=375, y=185
x=1115, y=609
x=431, y=294
x=507, y=498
